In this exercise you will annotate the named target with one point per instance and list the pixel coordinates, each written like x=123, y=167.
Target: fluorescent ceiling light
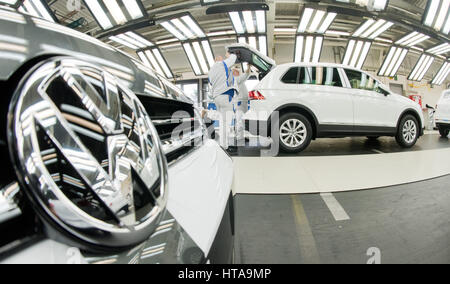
x=442, y=75
x=99, y=14
x=304, y=21
x=412, y=39
x=162, y=63
x=372, y=29
x=437, y=15
x=315, y=21
x=183, y=28
x=237, y=24
x=132, y=40
x=356, y=53
x=110, y=13
x=37, y=8
x=261, y=21
x=200, y=56
x=421, y=68
x=133, y=9
x=9, y=2
x=180, y=26
x=154, y=59
x=249, y=22
x=257, y=42
x=263, y=44
x=308, y=49
x=393, y=61
x=208, y=51
x=193, y=25
x=372, y=5
x=440, y=49
x=114, y=8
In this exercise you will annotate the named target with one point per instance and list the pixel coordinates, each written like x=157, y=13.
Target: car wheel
x=444, y=132
x=408, y=132
x=295, y=133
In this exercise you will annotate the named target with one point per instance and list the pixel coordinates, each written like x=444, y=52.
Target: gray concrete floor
x=357, y=146
x=408, y=223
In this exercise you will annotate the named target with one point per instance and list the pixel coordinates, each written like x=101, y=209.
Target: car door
x=374, y=108
x=327, y=97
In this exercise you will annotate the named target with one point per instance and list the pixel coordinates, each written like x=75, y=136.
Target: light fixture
x=10, y=2
x=372, y=5
x=412, y=39
x=258, y=42
x=372, y=29
x=37, y=8
x=183, y=27
x=111, y=13
x=308, y=48
x=251, y=28
x=153, y=58
x=356, y=53
x=131, y=40
x=315, y=21
x=200, y=56
x=442, y=75
x=437, y=15
x=393, y=61
x=194, y=41
x=249, y=22
x=421, y=68
x=440, y=49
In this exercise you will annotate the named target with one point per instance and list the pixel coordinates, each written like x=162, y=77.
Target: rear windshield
x=260, y=63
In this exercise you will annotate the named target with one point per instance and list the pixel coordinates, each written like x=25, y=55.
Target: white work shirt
x=218, y=76
x=242, y=88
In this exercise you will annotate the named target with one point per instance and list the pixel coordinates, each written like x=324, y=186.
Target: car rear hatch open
x=247, y=54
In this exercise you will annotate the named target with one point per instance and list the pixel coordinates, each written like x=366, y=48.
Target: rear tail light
x=256, y=96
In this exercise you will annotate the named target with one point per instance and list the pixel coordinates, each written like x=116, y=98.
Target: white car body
x=442, y=115
x=337, y=111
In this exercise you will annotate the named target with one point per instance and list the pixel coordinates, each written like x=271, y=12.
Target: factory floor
x=308, y=208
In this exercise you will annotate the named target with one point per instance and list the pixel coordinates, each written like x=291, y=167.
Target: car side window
x=323, y=76
x=291, y=77
x=361, y=81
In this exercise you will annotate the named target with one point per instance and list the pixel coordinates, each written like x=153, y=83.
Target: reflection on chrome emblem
x=88, y=153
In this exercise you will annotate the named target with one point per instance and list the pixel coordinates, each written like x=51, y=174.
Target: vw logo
x=87, y=154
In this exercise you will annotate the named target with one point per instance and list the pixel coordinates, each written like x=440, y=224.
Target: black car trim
x=221, y=251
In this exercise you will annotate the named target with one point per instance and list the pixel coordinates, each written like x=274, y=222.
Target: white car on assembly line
x=325, y=100
x=442, y=115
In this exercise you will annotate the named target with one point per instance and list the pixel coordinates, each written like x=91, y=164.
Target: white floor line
x=335, y=207
x=297, y=175
x=378, y=151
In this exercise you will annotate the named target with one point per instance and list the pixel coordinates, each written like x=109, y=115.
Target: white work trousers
x=226, y=118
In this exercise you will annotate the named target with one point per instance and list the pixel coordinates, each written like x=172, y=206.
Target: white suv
x=325, y=100
x=442, y=115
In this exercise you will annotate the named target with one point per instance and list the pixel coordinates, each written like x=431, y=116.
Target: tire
x=408, y=131
x=444, y=132
x=294, y=142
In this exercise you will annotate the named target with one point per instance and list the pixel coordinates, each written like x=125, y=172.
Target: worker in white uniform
x=241, y=103
x=223, y=90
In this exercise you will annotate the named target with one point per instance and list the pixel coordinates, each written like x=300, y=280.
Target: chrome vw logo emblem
x=88, y=154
